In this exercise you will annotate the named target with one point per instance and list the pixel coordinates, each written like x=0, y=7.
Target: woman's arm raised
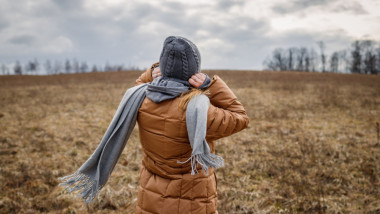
x=147, y=75
x=226, y=115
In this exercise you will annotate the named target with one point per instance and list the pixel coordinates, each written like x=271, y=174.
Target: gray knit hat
x=179, y=59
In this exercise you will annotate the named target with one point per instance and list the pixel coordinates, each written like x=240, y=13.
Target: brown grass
x=312, y=145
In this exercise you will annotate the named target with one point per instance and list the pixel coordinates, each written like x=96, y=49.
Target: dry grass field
x=312, y=145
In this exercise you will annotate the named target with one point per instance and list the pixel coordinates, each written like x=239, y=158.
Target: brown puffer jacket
x=165, y=185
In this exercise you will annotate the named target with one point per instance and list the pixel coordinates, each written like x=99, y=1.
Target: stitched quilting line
x=142, y=195
x=207, y=192
x=192, y=196
x=142, y=209
x=165, y=194
x=180, y=194
x=202, y=199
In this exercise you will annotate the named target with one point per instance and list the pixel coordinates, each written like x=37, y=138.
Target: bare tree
x=279, y=59
x=302, y=52
x=307, y=61
x=83, y=67
x=334, y=62
x=356, y=58
x=32, y=66
x=290, y=58
x=268, y=63
x=18, y=68
x=369, y=56
x=119, y=67
x=321, y=45
x=67, y=66
x=4, y=69
x=94, y=69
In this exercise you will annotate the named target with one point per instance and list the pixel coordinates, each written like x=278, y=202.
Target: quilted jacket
x=165, y=185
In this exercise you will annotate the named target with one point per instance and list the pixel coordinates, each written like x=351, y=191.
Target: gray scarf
x=94, y=173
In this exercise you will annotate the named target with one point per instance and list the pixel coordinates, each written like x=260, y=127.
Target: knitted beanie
x=179, y=59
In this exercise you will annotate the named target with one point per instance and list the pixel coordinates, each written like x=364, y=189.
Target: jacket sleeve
x=226, y=115
x=146, y=76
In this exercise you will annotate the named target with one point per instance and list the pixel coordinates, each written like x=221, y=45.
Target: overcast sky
x=230, y=34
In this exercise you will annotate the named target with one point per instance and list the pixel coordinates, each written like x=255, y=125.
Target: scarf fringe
x=205, y=160
x=88, y=186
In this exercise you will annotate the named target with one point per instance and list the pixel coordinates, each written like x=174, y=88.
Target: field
x=312, y=145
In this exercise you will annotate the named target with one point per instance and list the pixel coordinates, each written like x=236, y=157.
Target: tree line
x=363, y=57
x=57, y=67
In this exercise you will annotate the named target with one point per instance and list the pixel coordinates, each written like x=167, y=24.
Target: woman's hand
x=197, y=79
x=156, y=72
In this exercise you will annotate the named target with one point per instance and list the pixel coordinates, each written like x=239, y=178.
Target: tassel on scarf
x=89, y=188
x=205, y=160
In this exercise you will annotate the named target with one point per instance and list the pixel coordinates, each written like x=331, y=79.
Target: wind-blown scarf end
x=88, y=186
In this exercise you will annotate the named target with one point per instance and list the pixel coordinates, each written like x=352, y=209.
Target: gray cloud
x=352, y=7
x=297, y=5
x=23, y=40
x=68, y=5
x=3, y=24
x=227, y=4
x=323, y=5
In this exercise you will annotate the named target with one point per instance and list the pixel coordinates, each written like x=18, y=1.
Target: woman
x=178, y=126
x=166, y=185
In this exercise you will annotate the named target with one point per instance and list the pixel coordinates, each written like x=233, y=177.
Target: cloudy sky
x=231, y=34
